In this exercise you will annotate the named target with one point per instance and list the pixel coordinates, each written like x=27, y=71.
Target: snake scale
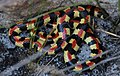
x=72, y=26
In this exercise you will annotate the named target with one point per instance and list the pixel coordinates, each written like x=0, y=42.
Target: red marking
x=27, y=40
x=64, y=33
x=80, y=33
x=77, y=21
x=54, y=23
x=67, y=10
x=85, y=21
x=97, y=9
x=12, y=29
x=73, y=43
x=97, y=42
x=87, y=17
x=63, y=44
x=89, y=7
x=80, y=8
x=95, y=39
x=46, y=16
x=38, y=43
x=49, y=36
x=16, y=38
x=69, y=56
x=53, y=48
x=56, y=35
x=42, y=36
x=57, y=13
x=99, y=51
x=90, y=63
x=33, y=21
x=89, y=30
x=98, y=48
x=62, y=19
x=97, y=45
x=63, y=37
x=33, y=31
x=51, y=51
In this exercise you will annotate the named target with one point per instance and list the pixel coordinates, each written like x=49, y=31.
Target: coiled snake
x=72, y=26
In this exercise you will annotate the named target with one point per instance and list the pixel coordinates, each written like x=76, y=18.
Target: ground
x=15, y=61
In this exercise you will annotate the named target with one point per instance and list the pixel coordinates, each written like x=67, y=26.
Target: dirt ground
x=16, y=61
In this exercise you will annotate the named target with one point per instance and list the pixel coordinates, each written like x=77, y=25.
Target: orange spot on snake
x=62, y=19
x=46, y=16
x=57, y=13
x=38, y=43
x=12, y=29
x=73, y=43
x=56, y=35
x=80, y=33
x=53, y=48
x=90, y=63
x=89, y=7
x=67, y=10
x=80, y=8
x=16, y=38
x=69, y=56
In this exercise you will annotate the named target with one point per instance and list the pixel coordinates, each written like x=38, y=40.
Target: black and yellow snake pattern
x=72, y=26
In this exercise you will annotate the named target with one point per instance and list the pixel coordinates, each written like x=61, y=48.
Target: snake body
x=72, y=26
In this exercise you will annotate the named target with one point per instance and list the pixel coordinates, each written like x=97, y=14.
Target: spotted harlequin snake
x=72, y=26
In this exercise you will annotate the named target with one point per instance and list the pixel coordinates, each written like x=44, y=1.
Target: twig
x=108, y=33
x=23, y=62
x=46, y=65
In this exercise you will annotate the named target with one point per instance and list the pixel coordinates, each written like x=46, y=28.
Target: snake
x=64, y=30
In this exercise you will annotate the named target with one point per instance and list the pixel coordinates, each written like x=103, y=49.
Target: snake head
x=100, y=13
